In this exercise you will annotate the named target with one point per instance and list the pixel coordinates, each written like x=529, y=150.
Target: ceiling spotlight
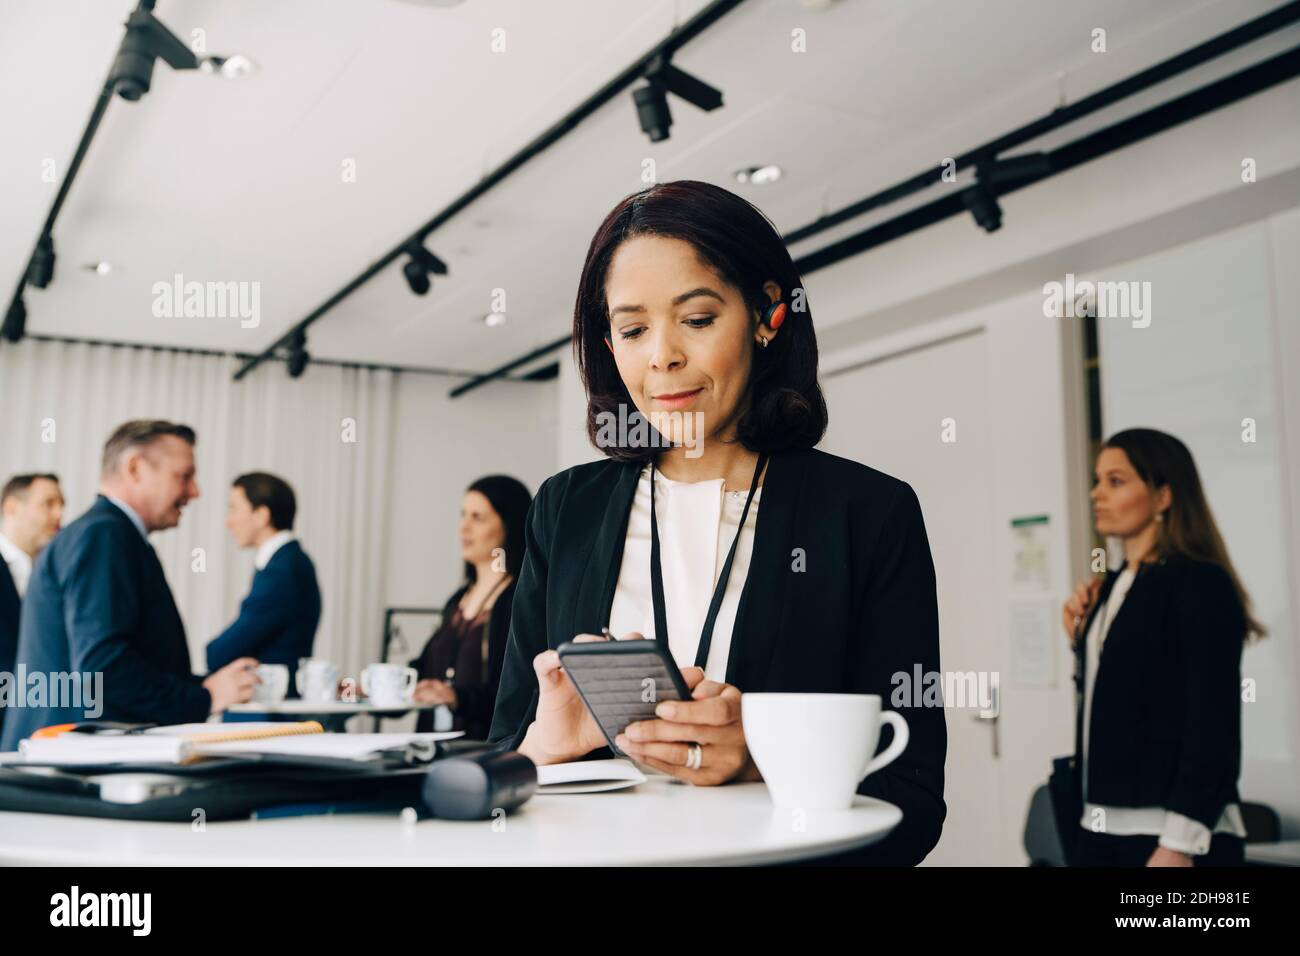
x=980, y=198
x=983, y=205
x=234, y=67
x=15, y=324
x=493, y=319
x=758, y=175
x=422, y=262
x=146, y=39
x=652, y=100
x=102, y=267
x=652, y=111
x=40, y=269
x=298, y=355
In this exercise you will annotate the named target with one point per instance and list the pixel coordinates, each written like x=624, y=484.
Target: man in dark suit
x=31, y=510
x=277, y=620
x=98, y=604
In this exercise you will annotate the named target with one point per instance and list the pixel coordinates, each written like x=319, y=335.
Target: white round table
x=656, y=822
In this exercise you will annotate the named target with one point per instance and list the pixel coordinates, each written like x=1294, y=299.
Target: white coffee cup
x=389, y=685
x=317, y=680
x=275, y=683
x=814, y=749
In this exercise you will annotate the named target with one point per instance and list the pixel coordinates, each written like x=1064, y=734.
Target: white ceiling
x=241, y=181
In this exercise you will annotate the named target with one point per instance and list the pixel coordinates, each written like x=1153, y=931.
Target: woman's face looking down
x=683, y=339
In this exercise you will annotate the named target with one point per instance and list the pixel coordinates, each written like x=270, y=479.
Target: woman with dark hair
x=460, y=666
x=1158, y=734
x=774, y=566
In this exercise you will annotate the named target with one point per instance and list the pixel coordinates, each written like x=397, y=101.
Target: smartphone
x=622, y=681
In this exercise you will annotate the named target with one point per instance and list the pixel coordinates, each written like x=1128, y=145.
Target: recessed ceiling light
x=101, y=267
x=758, y=175
x=233, y=67
x=494, y=318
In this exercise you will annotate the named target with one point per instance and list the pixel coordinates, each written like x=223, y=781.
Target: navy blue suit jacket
x=98, y=603
x=10, y=604
x=277, y=621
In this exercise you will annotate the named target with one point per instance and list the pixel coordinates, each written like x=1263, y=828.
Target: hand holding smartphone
x=622, y=682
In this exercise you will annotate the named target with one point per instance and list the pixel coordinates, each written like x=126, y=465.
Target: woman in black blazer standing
x=691, y=315
x=1159, y=730
x=460, y=666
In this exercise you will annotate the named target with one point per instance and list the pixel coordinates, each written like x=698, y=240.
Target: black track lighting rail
x=1015, y=172
x=656, y=56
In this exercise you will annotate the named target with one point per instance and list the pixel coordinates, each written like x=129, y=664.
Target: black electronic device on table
x=622, y=682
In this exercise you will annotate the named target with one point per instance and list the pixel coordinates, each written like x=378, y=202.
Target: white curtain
x=328, y=433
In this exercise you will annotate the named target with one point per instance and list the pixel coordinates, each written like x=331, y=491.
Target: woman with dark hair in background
x=1159, y=734
x=460, y=666
x=692, y=318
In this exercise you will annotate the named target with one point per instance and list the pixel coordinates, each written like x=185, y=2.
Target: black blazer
x=1165, y=722
x=861, y=609
x=98, y=603
x=10, y=605
x=475, y=703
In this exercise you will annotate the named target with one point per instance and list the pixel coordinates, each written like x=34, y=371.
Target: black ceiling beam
x=1156, y=120
x=540, y=374
x=83, y=146
x=501, y=370
x=661, y=52
x=1217, y=46
x=953, y=204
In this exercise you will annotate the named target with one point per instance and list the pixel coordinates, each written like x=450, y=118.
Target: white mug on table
x=275, y=683
x=317, y=680
x=814, y=749
x=389, y=685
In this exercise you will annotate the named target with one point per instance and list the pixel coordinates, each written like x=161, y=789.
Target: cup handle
x=896, y=746
x=412, y=678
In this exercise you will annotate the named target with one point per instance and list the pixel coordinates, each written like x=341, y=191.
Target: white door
x=894, y=415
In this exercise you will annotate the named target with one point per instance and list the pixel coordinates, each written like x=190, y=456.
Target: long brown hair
x=1188, y=528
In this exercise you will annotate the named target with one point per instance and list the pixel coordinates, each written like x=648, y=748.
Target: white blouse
x=1176, y=831
x=697, y=522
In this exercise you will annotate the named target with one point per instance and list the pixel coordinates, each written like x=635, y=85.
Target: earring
x=762, y=341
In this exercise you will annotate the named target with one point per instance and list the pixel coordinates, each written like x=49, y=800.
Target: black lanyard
x=657, y=574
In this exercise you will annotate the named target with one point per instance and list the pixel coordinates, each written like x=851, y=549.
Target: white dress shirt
x=1176, y=832
x=266, y=550
x=19, y=562
x=697, y=522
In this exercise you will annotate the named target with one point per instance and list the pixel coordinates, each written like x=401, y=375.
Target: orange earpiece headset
x=773, y=318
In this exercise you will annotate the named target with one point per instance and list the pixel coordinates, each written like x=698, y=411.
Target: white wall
x=440, y=447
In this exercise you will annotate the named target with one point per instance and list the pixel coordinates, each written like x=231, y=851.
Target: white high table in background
x=657, y=822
